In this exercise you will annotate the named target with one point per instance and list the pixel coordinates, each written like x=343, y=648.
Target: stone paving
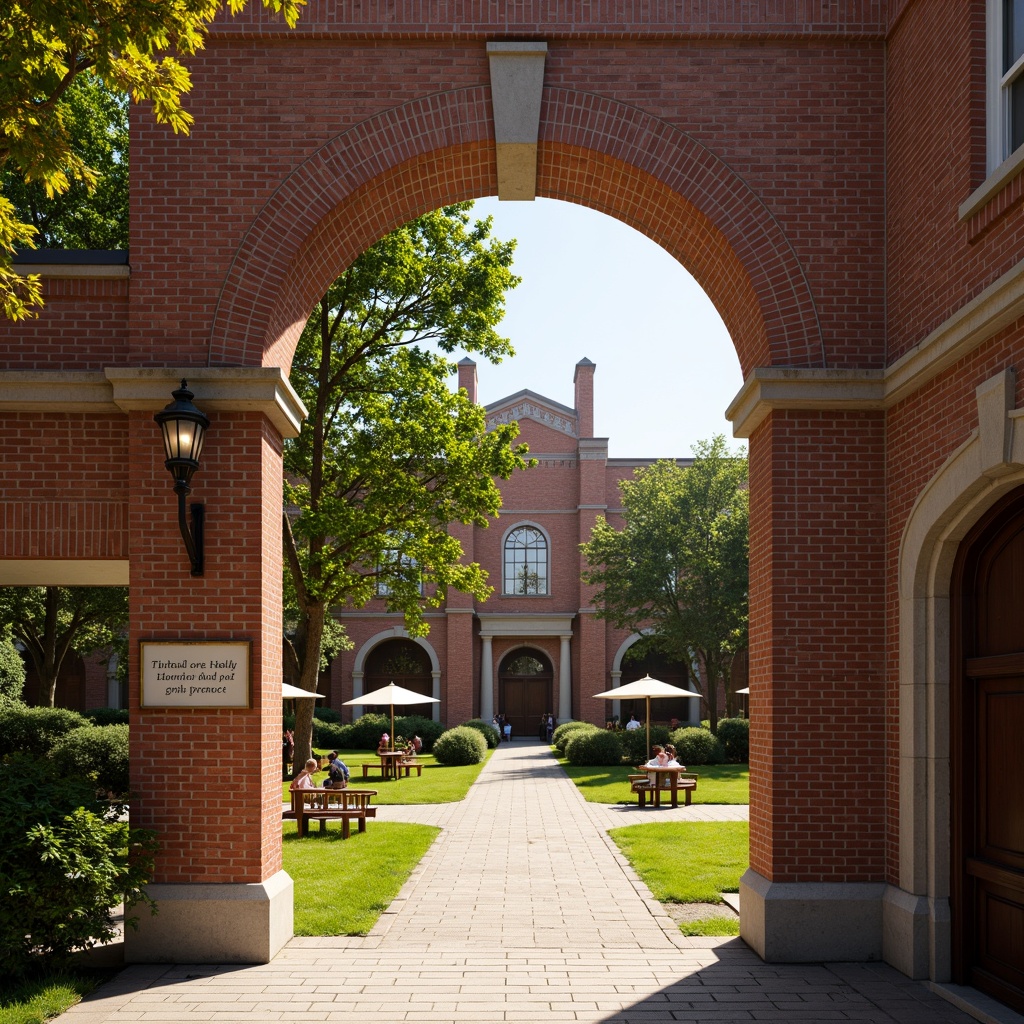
x=522, y=911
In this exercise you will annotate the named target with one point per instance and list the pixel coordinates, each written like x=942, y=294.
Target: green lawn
x=718, y=783
x=343, y=885
x=689, y=862
x=437, y=785
x=40, y=999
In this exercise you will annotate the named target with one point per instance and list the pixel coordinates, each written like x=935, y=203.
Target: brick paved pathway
x=522, y=911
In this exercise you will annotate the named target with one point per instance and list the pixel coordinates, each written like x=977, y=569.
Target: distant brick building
x=535, y=646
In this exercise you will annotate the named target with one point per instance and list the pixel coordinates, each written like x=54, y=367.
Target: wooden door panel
x=1000, y=772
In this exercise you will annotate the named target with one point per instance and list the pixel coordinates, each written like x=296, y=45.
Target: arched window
x=526, y=562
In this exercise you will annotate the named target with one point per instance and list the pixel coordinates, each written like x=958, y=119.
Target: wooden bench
x=676, y=779
x=323, y=805
x=384, y=770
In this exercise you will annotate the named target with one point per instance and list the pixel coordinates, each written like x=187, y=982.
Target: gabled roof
x=528, y=405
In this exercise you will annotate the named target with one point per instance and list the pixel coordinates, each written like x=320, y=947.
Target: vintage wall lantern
x=184, y=428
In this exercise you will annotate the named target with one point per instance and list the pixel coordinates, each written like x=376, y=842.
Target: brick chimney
x=584, y=381
x=467, y=378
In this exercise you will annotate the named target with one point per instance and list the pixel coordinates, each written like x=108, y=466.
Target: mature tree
x=679, y=565
x=52, y=621
x=133, y=48
x=389, y=456
x=82, y=217
x=12, y=670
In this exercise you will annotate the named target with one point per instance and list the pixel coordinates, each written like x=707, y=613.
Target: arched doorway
x=987, y=757
x=668, y=670
x=524, y=689
x=403, y=662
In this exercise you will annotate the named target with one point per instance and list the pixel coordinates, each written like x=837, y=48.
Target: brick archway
x=593, y=151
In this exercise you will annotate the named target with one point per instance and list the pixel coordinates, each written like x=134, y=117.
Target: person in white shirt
x=632, y=724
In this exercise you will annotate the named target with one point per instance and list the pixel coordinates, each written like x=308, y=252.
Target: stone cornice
x=125, y=389
x=768, y=388
x=513, y=624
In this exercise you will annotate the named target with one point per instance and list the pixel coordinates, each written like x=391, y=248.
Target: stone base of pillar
x=216, y=923
x=805, y=922
x=916, y=936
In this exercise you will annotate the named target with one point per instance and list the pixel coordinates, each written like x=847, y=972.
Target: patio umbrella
x=746, y=689
x=289, y=692
x=646, y=688
x=392, y=695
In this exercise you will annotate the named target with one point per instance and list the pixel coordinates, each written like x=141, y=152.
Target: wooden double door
x=524, y=690
x=987, y=755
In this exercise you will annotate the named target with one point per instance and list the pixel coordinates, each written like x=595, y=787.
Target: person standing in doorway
x=508, y=731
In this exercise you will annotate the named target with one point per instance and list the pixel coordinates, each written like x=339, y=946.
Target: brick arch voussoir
x=593, y=151
x=269, y=255
x=697, y=208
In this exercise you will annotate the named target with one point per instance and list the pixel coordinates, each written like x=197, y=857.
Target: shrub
x=490, y=733
x=697, y=746
x=565, y=730
x=326, y=715
x=35, y=730
x=96, y=752
x=416, y=725
x=366, y=731
x=107, y=716
x=593, y=747
x=288, y=720
x=12, y=672
x=734, y=735
x=66, y=860
x=460, y=745
x=330, y=735
x=634, y=742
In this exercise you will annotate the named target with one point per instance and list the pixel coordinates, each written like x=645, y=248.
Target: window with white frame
x=1005, y=79
x=526, y=562
x=395, y=566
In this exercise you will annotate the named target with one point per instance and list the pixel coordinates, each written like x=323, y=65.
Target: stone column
x=564, y=678
x=486, y=678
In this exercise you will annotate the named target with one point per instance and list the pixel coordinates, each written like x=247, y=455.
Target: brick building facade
x=844, y=180
x=520, y=653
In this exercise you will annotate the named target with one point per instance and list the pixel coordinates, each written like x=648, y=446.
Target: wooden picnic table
x=655, y=781
x=323, y=805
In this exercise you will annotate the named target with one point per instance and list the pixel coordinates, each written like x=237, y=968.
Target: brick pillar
x=459, y=689
x=222, y=894
x=817, y=704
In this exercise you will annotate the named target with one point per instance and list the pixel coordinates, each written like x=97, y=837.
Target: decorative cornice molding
x=768, y=388
x=262, y=389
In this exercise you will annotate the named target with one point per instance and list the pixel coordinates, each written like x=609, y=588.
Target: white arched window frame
x=525, y=561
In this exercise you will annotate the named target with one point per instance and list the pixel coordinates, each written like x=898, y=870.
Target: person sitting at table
x=385, y=744
x=670, y=752
x=337, y=772
x=304, y=780
x=659, y=758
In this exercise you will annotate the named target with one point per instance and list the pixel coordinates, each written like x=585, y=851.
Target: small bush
x=593, y=747
x=366, y=731
x=331, y=736
x=490, y=733
x=107, y=716
x=288, y=720
x=416, y=725
x=566, y=729
x=634, y=742
x=326, y=715
x=96, y=752
x=460, y=745
x=734, y=735
x=35, y=730
x=65, y=861
x=12, y=672
x=697, y=746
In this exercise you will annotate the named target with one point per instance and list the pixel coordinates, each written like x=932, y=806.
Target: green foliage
x=634, y=742
x=490, y=733
x=12, y=672
x=389, y=456
x=717, y=925
x=332, y=736
x=107, y=716
x=35, y=731
x=98, y=753
x=47, y=994
x=365, y=732
x=460, y=746
x=563, y=731
x=679, y=566
x=718, y=784
x=133, y=49
x=326, y=714
x=65, y=861
x=734, y=735
x=697, y=746
x=593, y=747
x=416, y=725
x=53, y=621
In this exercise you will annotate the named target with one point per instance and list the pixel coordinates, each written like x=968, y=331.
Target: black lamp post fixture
x=184, y=428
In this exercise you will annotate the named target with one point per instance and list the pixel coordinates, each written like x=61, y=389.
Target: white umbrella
x=289, y=692
x=746, y=689
x=393, y=695
x=647, y=688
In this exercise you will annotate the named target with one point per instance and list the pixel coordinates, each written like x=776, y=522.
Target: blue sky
x=594, y=287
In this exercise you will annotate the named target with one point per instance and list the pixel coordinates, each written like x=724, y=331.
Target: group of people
x=547, y=727
x=663, y=757
x=504, y=727
x=337, y=774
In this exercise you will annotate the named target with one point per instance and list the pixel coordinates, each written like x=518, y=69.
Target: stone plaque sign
x=195, y=674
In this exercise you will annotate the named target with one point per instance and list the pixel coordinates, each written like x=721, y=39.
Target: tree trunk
x=309, y=656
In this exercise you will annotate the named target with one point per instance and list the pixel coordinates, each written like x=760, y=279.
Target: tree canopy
x=389, y=455
x=51, y=622
x=678, y=568
x=134, y=49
